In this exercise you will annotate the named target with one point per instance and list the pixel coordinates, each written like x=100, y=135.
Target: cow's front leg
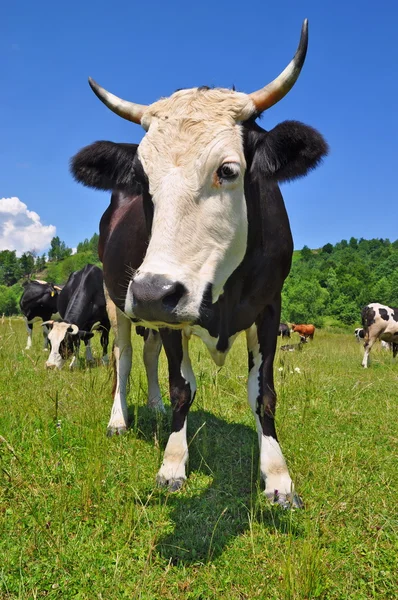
x=261, y=344
x=29, y=327
x=152, y=348
x=122, y=351
x=368, y=344
x=89, y=354
x=105, y=341
x=75, y=360
x=46, y=331
x=182, y=392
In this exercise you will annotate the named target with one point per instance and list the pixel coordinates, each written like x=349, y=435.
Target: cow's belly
x=211, y=343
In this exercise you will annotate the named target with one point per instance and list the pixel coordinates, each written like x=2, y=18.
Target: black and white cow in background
x=359, y=334
x=284, y=330
x=82, y=307
x=379, y=322
x=39, y=301
x=196, y=241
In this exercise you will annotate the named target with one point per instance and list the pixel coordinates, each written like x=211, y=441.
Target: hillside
x=326, y=286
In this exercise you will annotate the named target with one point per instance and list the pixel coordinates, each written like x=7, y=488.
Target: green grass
x=81, y=517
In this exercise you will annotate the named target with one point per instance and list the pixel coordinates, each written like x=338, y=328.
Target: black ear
x=288, y=151
x=105, y=165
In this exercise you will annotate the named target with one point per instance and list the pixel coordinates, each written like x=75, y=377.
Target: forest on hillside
x=327, y=286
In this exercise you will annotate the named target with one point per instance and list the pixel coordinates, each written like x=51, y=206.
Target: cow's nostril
x=171, y=300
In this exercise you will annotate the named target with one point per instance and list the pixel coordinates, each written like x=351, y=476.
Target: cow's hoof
x=285, y=501
x=173, y=485
x=111, y=431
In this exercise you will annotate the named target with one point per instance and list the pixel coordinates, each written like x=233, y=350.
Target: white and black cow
x=82, y=307
x=379, y=322
x=359, y=334
x=39, y=301
x=196, y=241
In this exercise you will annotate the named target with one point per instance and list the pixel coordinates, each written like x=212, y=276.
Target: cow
x=359, y=334
x=379, y=322
x=304, y=331
x=82, y=307
x=39, y=301
x=284, y=330
x=196, y=241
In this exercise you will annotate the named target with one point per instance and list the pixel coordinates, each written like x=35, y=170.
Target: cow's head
x=192, y=165
x=63, y=338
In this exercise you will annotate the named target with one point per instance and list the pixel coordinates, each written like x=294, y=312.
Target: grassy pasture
x=81, y=517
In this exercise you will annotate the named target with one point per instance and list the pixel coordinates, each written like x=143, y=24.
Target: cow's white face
x=61, y=348
x=193, y=158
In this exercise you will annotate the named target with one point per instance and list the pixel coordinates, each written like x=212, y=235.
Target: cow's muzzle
x=155, y=298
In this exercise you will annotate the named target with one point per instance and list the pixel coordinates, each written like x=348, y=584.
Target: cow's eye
x=228, y=171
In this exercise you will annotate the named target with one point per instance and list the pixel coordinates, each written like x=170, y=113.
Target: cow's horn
x=45, y=323
x=127, y=110
x=279, y=87
x=73, y=329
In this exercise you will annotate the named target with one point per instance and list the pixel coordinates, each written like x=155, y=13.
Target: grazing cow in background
x=304, y=331
x=359, y=334
x=379, y=322
x=82, y=307
x=39, y=301
x=284, y=330
x=196, y=241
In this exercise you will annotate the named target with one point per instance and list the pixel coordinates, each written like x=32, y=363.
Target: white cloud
x=21, y=229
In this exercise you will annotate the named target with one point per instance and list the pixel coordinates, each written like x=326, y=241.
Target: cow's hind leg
x=182, y=392
x=29, y=327
x=261, y=344
x=394, y=349
x=152, y=348
x=122, y=352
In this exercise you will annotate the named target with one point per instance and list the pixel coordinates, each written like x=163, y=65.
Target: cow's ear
x=288, y=151
x=105, y=165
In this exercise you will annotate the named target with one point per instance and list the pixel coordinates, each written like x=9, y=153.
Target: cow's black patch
x=395, y=314
x=368, y=316
x=384, y=314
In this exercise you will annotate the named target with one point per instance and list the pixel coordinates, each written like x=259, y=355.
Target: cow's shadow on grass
x=222, y=497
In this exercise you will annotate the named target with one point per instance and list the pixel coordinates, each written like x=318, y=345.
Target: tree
x=10, y=270
x=306, y=253
x=27, y=263
x=40, y=263
x=327, y=248
x=58, y=250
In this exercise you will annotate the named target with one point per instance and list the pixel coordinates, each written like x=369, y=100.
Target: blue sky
x=348, y=90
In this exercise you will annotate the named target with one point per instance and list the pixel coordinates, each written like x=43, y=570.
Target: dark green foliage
x=27, y=263
x=10, y=268
x=58, y=250
x=338, y=280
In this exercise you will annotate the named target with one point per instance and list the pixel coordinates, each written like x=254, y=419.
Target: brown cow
x=305, y=331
